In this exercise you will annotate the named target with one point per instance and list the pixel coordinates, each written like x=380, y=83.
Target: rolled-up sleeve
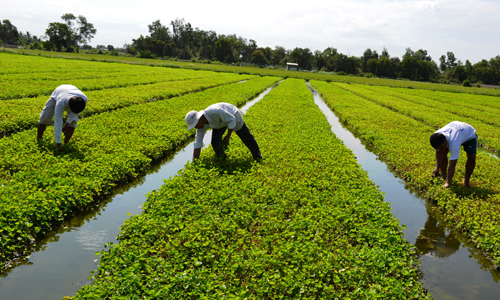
x=198, y=140
x=72, y=119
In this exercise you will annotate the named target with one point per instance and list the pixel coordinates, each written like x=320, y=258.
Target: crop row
x=40, y=186
x=403, y=143
x=431, y=115
x=35, y=87
x=477, y=102
x=260, y=71
x=87, y=76
x=467, y=107
x=27, y=65
x=306, y=222
x=18, y=115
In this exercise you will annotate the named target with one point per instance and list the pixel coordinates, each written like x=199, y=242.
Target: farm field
x=397, y=124
x=264, y=72
x=306, y=222
x=40, y=186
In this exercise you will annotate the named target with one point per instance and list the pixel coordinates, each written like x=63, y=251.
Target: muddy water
x=452, y=268
x=62, y=262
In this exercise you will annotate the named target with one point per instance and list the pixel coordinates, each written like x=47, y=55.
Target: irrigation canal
x=62, y=262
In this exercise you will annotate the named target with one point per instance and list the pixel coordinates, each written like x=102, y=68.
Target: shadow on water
x=452, y=267
x=61, y=262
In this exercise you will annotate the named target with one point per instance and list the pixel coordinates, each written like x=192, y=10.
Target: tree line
x=179, y=40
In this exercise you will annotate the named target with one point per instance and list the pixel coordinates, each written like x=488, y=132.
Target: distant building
x=292, y=67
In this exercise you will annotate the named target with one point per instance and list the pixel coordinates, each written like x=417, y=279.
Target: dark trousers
x=245, y=136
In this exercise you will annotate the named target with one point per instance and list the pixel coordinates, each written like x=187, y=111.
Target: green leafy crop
x=40, y=186
x=305, y=222
x=397, y=125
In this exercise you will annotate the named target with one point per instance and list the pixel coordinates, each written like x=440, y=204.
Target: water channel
x=61, y=263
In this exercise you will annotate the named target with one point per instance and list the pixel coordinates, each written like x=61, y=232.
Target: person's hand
x=435, y=173
x=59, y=147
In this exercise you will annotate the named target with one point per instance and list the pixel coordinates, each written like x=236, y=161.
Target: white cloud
x=466, y=27
x=426, y=5
x=381, y=23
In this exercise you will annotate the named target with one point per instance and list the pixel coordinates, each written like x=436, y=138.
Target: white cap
x=193, y=117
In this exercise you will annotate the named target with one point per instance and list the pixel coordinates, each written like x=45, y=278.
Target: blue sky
x=470, y=29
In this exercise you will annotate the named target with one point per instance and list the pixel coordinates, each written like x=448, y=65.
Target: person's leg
x=469, y=168
x=45, y=117
x=471, y=148
x=217, y=144
x=248, y=139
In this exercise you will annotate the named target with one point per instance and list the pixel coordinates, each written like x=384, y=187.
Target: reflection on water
x=435, y=240
x=91, y=240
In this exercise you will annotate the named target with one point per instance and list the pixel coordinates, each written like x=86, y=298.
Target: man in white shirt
x=449, y=139
x=219, y=117
x=64, y=98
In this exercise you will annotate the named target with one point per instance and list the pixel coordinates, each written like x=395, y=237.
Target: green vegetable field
x=305, y=222
x=397, y=123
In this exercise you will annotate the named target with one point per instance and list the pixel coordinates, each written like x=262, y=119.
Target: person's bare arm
x=196, y=153
x=228, y=135
x=451, y=172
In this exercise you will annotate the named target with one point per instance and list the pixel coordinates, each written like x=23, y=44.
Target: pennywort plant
x=306, y=222
x=391, y=128
x=41, y=186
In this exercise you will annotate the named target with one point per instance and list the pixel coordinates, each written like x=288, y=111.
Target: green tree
x=8, y=33
x=319, y=61
x=207, y=45
x=469, y=69
x=278, y=56
x=368, y=55
x=451, y=60
x=259, y=58
x=442, y=63
x=59, y=34
x=416, y=66
x=223, y=50
x=81, y=30
x=303, y=57
x=328, y=55
x=346, y=64
x=385, y=53
x=157, y=31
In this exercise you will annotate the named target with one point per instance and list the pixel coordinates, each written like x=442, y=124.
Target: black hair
x=76, y=104
x=437, y=139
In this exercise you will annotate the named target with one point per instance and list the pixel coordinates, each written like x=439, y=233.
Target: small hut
x=292, y=67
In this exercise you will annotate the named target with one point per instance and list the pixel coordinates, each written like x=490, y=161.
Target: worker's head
x=76, y=104
x=195, y=119
x=438, y=141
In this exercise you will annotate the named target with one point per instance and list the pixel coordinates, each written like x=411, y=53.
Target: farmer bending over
x=64, y=98
x=449, y=139
x=219, y=117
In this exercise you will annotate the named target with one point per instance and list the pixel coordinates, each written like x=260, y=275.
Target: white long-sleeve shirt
x=61, y=95
x=456, y=134
x=219, y=115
